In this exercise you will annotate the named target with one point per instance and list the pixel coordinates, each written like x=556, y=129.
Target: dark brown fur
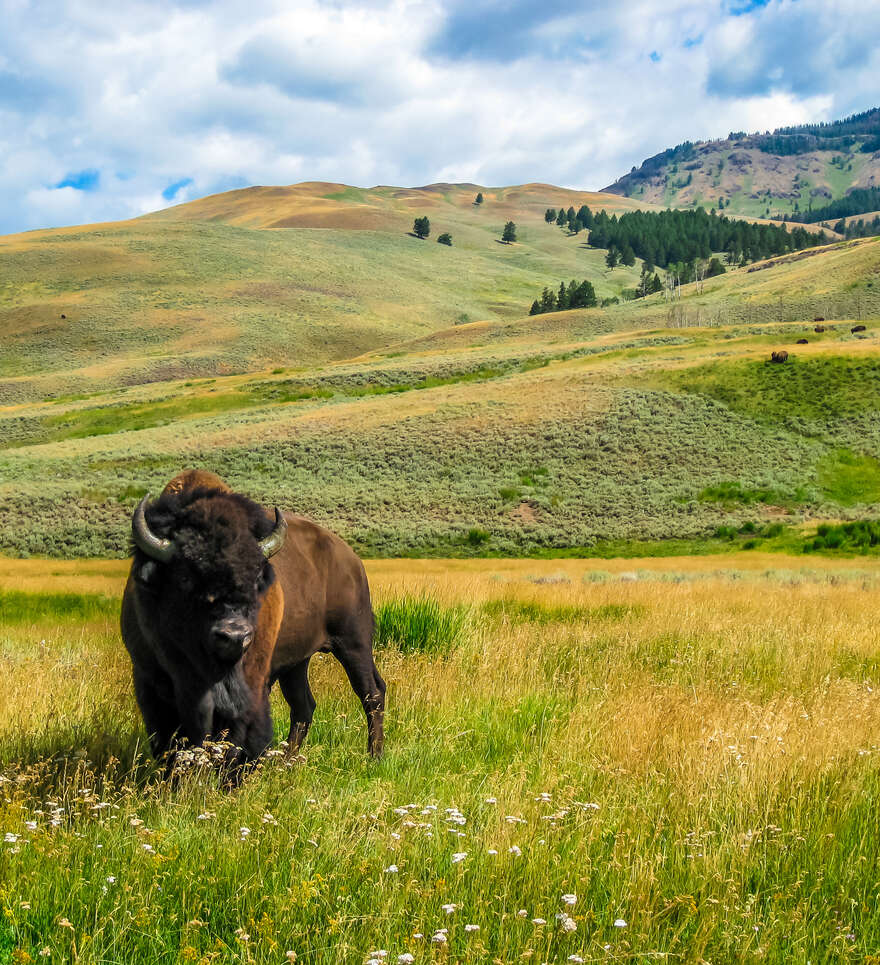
x=780, y=356
x=311, y=596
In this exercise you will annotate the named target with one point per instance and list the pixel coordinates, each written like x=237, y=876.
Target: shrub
x=445, y=239
x=419, y=624
x=477, y=536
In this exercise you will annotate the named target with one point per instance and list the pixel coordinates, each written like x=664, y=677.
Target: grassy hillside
x=594, y=431
x=203, y=289
x=688, y=750
x=750, y=181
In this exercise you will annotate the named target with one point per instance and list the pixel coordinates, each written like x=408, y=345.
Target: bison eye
x=210, y=598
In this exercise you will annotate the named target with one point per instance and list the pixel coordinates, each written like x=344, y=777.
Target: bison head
x=202, y=567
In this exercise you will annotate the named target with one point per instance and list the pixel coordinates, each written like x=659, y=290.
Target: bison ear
x=147, y=573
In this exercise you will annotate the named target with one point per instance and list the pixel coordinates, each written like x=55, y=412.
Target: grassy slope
x=201, y=289
x=510, y=436
x=690, y=749
x=743, y=176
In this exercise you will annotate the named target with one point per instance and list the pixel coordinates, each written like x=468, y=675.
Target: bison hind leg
x=354, y=650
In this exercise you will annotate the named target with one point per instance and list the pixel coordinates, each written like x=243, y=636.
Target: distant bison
x=802, y=341
x=857, y=328
x=781, y=356
x=222, y=600
x=819, y=328
x=63, y=315
x=819, y=318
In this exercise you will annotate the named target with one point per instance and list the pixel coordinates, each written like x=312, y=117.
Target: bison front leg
x=298, y=694
x=196, y=716
x=160, y=714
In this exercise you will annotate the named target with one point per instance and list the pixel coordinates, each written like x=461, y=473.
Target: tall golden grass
x=688, y=746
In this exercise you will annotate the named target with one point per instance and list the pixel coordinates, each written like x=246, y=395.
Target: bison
x=819, y=328
x=222, y=600
x=803, y=341
x=781, y=356
x=857, y=328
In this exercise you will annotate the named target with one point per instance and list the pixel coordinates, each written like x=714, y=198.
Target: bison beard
x=221, y=601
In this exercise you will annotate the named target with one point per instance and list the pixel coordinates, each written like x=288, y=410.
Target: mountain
x=787, y=172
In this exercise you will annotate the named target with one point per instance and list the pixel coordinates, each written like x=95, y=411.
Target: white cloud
x=391, y=91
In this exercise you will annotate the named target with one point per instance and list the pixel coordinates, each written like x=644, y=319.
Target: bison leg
x=297, y=692
x=160, y=715
x=355, y=653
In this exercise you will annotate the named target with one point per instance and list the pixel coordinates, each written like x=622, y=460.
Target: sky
x=108, y=111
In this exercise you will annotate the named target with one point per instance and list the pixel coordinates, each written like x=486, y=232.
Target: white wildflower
x=449, y=909
x=439, y=938
x=569, y=900
x=471, y=928
x=619, y=923
x=391, y=869
x=539, y=921
x=405, y=959
x=515, y=850
x=10, y=838
x=459, y=856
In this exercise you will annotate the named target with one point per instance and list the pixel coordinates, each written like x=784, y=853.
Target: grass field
x=687, y=746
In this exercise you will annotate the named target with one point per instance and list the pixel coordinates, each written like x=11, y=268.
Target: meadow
x=671, y=760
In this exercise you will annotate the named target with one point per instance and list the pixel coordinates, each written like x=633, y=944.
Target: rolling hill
x=762, y=175
x=274, y=276
x=397, y=391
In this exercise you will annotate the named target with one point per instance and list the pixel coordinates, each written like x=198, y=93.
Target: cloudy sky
x=112, y=110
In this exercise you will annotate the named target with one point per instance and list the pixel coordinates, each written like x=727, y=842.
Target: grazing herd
x=222, y=600
x=780, y=355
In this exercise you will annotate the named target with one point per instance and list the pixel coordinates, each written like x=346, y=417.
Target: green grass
x=850, y=478
x=419, y=624
x=533, y=611
x=820, y=388
x=17, y=607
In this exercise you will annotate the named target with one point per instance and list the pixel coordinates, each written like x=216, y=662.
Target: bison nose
x=232, y=639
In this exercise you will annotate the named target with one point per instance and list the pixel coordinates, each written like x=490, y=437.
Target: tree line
x=857, y=201
x=673, y=236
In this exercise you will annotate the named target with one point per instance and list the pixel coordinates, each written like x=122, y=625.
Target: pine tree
x=509, y=233
x=611, y=258
x=421, y=227
x=536, y=308
x=479, y=198
x=550, y=215
x=562, y=298
x=627, y=256
x=560, y=218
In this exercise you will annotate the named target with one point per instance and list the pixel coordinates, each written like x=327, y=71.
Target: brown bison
x=781, y=356
x=222, y=600
x=803, y=341
x=857, y=328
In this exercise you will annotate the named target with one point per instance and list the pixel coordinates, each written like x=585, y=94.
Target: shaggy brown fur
x=211, y=629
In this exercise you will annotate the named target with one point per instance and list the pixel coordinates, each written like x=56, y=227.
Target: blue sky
x=109, y=111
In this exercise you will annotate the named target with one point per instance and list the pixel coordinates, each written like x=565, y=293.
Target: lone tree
x=509, y=233
x=550, y=215
x=479, y=198
x=445, y=239
x=611, y=258
x=421, y=227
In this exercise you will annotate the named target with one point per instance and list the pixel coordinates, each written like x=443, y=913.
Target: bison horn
x=275, y=540
x=145, y=539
